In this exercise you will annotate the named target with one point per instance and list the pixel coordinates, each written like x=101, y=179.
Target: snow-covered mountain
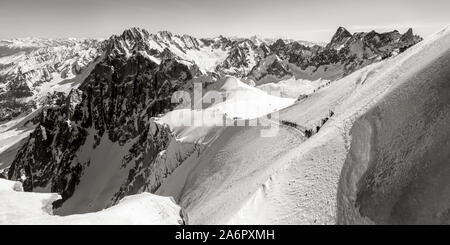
x=111, y=111
x=41, y=66
x=31, y=68
x=38, y=67
x=345, y=54
x=103, y=126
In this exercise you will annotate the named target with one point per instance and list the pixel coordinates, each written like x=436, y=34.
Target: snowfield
x=293, y=88
x=241, y=101
x=370, y=155
x=18, y=207
x=381, y=158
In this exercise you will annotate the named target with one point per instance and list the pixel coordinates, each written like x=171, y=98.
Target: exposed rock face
x=242, y=57
x=4, y=173
x=46, y=158
x=273, y=67
x=343, y=55
x=115, y=104
x=253, y=57
x=340, y=38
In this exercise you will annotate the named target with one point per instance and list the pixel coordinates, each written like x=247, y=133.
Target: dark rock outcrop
x=117, y=100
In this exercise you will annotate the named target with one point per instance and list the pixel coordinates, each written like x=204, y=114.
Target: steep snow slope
x=242, y=178
x=18, y=207
x=226, y=172
x=104, y=175
x=243, y=166
x=397, y=168
x=237, y=100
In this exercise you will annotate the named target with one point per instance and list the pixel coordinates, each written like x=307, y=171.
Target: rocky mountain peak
x=340, y=37
x=279, y=43
x=135, y=33
x=165, y=35
x=257, y=39
x=131, y=39
x=340, y=34
x=408, y=35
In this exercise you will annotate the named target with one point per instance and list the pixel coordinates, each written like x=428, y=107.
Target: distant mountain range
x=31, y=68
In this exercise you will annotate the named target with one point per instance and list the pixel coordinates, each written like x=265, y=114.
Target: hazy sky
x=314, y=20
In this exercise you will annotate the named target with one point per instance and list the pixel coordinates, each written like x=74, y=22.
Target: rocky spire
x=340, y=37
x=408, y=36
